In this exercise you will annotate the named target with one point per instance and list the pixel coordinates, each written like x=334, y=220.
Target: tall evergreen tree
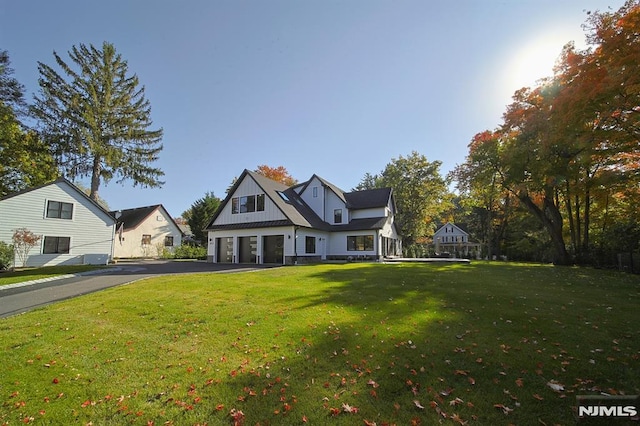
x=199, y=215
x=96, y=119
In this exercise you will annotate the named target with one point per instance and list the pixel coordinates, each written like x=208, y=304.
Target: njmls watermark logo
x=611, y=407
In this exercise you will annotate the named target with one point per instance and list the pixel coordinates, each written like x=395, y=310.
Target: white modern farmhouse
x=73, y=229
x=264, y=221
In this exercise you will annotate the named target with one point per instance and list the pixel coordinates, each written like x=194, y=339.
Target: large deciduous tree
x=569, y=149
x=97, y=120
x=420, y=192
x=279, y=174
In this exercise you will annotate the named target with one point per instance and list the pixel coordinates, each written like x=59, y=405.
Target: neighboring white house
x=73, y=228
x=145, y=232
x=264, y=221
x=451, y=238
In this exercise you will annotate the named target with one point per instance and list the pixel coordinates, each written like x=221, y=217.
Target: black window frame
x=310, y=245
x=168, y=240
x=337, y=215
x=56, y=245
x=248, y=204
x=56, y=210
x=360, y=243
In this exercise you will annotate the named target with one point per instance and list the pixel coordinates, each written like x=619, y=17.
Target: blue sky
x=336, y=88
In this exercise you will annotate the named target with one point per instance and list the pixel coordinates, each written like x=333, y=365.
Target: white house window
x=360, y=243
x=59, y=210
x=337, y=216
x=315, y=192
x=247, y=204
x=56, y=245
x=146, y=239
x=310, y=245
x=168, y=241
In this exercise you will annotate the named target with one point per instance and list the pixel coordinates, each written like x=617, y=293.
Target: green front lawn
x=28, y=274
x=329, y=344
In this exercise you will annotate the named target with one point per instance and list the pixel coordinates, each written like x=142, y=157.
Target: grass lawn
x=349, y=344
x=28, y=274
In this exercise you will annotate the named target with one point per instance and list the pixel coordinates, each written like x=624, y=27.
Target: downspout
x=295, y=245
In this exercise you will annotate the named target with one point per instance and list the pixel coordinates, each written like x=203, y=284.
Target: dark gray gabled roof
x=131, y=218
x=369, y=198
x=298, y=213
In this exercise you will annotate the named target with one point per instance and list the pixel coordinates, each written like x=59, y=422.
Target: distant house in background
x=264, y=221
x=144, y=232
x=451, y=238
x=74, y=229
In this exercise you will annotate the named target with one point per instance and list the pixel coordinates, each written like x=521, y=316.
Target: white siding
x=90, y=230
x=365, y=213
x=316, y=203
x=287, y=231
x=159, y=225
x=333, y=202
x=249, y=187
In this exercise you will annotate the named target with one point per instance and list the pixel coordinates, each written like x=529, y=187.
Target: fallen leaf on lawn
x=349, y=409
x=456, y=401
x=519, y=382
x=417, y=404
x=506, y=410
x=472, y=381
x=555, y=386
x=538, y=397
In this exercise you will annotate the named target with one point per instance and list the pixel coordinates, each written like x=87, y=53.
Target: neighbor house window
x=315, y=192
x=146, y=239
x=337, y=216
x=310, y=245
x=247, y=204
x=59, y=210
x=168, y=241
x=56, y=245
x=360, y=243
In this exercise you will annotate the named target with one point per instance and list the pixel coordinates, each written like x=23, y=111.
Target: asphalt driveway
x=19, y=299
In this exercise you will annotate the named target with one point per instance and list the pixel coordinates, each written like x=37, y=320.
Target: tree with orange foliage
x=279, y=174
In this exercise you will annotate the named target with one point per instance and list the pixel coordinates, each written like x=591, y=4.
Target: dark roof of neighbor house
x=131, y=218
x=59, y=180
x=298, y=213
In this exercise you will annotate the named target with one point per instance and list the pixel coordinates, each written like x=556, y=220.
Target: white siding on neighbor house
x=159, y=225
x=249, y=187
x=90, y=229
x=450, y=233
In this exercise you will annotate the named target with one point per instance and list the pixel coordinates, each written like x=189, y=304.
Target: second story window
x=59, y=210
x=247, y=204
x=337, y=216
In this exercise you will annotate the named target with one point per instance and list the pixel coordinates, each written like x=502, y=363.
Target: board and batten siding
x=247, y=187
x=90, y=229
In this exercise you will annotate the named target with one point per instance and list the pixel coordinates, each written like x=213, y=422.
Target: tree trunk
x=95, y=178
x=572, y=228
x=585, y=233
x=551, y=218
